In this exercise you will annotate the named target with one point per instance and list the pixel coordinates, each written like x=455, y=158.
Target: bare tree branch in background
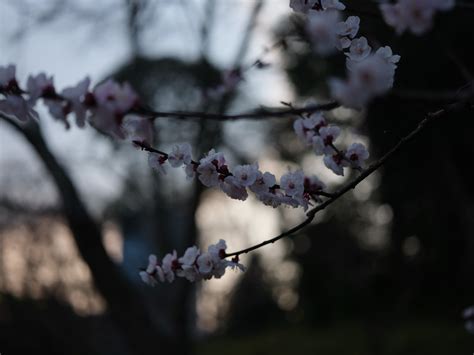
x=125, y=306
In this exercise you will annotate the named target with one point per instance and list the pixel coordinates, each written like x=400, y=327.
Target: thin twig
x=352, y=184
x=250, y=115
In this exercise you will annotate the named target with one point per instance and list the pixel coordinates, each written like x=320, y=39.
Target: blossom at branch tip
x=153, y=272
x=194, y=265
x=170, y=264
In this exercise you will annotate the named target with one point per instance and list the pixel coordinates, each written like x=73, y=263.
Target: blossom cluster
x=370, y=74
x=194, y=265
x=295, y=189
x=115, y=109
x=315, y=131
x=107, y=107
x=415, y=16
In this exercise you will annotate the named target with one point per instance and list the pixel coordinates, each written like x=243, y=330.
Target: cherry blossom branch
x=352, y=184
x=250, y=115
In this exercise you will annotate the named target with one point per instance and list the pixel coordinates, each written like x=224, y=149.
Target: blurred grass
x=411, y=338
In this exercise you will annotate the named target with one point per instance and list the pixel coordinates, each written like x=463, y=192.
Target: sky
x=70, y=48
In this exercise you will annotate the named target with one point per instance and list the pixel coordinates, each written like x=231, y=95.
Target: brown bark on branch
x=364, y=174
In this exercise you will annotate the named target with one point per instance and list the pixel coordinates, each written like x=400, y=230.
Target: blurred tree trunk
x=124, y=303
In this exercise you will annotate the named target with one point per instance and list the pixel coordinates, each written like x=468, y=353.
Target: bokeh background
x=387, y=269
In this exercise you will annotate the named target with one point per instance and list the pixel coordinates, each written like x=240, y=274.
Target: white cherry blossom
x=369, y=78
x=321, y=28
x=190, y=256
x=160, y=274
x=190, y=170
x=335, y=163
x=40, y=86
x=180, y=154
x=169, y=265
x=359, y=49
x=116, y=98
x=386, y=54
x=307, y=128
x=302, y=6
x=322, y=144
x=356, y=154
x=332, y=4
x=217, y=251
x=205, y=264
x=232, y=188
x=349, y=27
x=273, y=199
x=189, y=272
x=148, y=279
x=246, y=175
x=263, y=183
x=416, y=16
x=235, y=265
x=18, y=108
x=75, y=96
x=293, y=183
x=207, y=173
